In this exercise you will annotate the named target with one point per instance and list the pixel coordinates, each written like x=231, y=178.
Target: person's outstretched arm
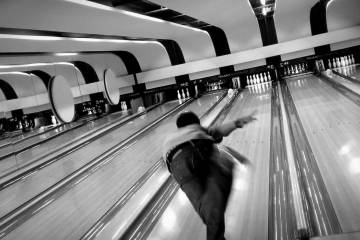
x=226, y=128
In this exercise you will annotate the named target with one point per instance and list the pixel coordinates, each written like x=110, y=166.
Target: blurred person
x=201, y=170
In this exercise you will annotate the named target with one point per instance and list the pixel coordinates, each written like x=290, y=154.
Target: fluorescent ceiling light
x=187, y=27
x=66, y=54
x=31, y=37
x=107, y=8
x=137, y=15
x=104, y=40
x=33, y=65
x=15, y=73
x=91, y=4
x=263, y=2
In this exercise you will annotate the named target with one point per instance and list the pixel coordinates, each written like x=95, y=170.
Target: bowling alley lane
x=356, y=72
x=247, y=211
x=77, y=209
x=52, y=140
x=331, y=122
x=22, y=191
x=350, y=72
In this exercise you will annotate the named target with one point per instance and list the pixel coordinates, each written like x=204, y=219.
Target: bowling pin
x=346, y=61
x=265, y=77
x=178, y=95
x=247, y=80
x=183, y=93
x=329, y=64
x=187, y=93
x=196, y=90
x=342, y=62
x=269, y=77
x=333, y=63
x=261, y=78
x=338, y=64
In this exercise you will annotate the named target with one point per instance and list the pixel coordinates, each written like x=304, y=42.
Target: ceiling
x=107, y=18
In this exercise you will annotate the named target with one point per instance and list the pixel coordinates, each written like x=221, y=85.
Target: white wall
x=204, y=74
x=343, y=14
x=74, y=17
x=292, y=21
x=253, y=54
x=234, y=17
x=250, y=64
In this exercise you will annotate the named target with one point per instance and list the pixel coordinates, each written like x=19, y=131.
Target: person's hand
x=245, y=120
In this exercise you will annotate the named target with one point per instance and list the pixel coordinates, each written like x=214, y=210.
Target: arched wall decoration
x=87, y=71
x=318, y=24
x=61, y=99
x=112, y=92
x=176, y=57
x=45, y=77
x=131, y=63
x=9, y=94
x=89, y=75
x=221, y=46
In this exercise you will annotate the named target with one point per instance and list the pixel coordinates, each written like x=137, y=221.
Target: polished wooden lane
x=247, y=212
x=15, y=195
x=331, y=122
x=71, y=215
x=49, y=141
x=352, y=71
x=353, y=86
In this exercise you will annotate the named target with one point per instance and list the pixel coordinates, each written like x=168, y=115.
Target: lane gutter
x=347, y=92
x=320, y=213
x=21, y=214
x=147, y=219
x=93, y=232
x=27, y=170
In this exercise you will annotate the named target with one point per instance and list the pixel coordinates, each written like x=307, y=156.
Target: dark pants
x=206, y=186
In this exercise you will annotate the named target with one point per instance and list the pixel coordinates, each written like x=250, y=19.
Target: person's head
x=187, y=118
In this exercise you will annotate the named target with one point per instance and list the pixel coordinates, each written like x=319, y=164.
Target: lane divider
x=24, y=212
x=347, y=92
x=157, y=169
x=321, y=213
x=64, y=150
x=302, y=220
x=147, y=219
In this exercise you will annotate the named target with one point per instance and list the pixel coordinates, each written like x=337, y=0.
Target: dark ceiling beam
x=122, y=2
x=176, y=57
x=266, y=25
x=156, y=11
x=318, y=24
x=90, y=76
x=131, y=63
x=9, y=94
x=35, y=32
x=221, y=46
x=45, y=77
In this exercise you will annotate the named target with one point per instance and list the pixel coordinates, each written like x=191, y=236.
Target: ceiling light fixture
x=263, y=2
x=107, y=8
x=66, y=54
x=188, y=27
x=31, y=37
